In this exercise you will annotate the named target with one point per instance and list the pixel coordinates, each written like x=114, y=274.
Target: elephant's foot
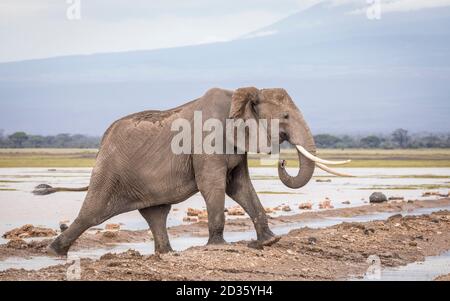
x=270, y=240
x=260, y=244
x=266, y=239
x=163, y=248
x=216, y=240
x=55, y=250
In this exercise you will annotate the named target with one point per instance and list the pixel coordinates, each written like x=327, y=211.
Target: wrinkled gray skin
x=137, y=170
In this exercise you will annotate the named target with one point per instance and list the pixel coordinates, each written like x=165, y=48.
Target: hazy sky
x=41, y=28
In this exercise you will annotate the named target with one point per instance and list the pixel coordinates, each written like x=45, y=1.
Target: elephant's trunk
x=306, y=168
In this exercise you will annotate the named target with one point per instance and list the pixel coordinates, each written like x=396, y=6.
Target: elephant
x=136, y=169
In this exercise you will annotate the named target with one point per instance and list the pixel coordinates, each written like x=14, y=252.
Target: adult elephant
x=136, y=169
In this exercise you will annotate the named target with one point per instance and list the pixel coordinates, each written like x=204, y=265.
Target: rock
x=377, y=197
x=110, y=234
x=203, y=216
x=286, y=208
x=434, y=193
x=237, y=210
x=27, y=231
x=326, y=204
x=63, y=227
x=190, y=219
x=413, y=244
x=112, y=227
x=305, y=206
x=394, y=217
x=194, y=212
x=17, y=243
x=269, y=210
x=312, y=240
x=369, y=231
x=346, y=202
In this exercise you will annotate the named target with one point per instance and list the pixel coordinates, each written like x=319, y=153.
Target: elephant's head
x=277, y=104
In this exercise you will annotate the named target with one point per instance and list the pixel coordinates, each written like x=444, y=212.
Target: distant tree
x=431, y=141
x=326, y=141
x=400, y=136
x=18, y=139
x=371, y=142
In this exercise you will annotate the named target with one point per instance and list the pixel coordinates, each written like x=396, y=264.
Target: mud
x=96, y=238
x=443, y=278
x=27, y=231
x=92, y=239
x=337, y=252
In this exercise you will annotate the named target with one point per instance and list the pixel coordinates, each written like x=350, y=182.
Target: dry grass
x=361, y=157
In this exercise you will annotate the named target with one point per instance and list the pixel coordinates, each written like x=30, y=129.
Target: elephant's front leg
x=211, y=179
x=240, y=189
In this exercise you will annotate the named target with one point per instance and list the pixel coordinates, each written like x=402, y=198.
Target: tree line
x=400, y=138
x=24, y=140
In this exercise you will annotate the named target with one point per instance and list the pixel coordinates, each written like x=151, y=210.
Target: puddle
x=427, y=270
x=184, y=242
x=19, y=206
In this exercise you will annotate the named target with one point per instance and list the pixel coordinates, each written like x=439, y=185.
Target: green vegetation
x=399, y=139
x=24, y=140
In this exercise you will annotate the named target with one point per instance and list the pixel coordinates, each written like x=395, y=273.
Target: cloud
x=31, y=29
x=37, y=29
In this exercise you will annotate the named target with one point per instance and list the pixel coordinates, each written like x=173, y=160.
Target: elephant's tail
x=44, y=189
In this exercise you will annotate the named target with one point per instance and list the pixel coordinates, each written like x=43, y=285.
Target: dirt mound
x=337, y=252
x=27, y=231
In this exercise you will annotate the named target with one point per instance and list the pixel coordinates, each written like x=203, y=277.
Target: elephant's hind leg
x=95, y=210
x=156, y=218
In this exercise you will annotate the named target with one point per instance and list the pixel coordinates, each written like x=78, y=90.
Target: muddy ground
x=443, y=278
x=98, y=238
x=338, y=252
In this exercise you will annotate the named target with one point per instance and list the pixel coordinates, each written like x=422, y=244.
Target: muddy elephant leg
x=90, y=215
x=240, y=189
x=156, y=218
x=99, y=205
x=211, y=179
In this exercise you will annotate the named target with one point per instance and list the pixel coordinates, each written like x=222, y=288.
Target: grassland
x=373, y=157
x=51, y=158
x=10, y=158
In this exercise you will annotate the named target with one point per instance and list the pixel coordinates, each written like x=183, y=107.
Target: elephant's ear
x=243, y=112
x=243, y=102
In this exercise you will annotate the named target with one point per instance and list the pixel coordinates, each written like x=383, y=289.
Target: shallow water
x=427, y=270
x=21, y=207
x=184, y=242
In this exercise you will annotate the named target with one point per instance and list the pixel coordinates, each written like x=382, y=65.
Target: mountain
x=345, y=72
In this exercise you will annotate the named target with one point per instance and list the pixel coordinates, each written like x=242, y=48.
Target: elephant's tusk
x=311, y=157
x=332, y=171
